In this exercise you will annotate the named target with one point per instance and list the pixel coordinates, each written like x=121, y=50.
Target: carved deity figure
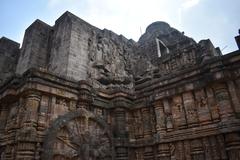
x=169, y=121
x=203, y=102
x=83, y=139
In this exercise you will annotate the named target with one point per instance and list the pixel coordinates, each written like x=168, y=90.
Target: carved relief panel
x=79, y=138
x=138, y=124
x=178, y=112
x=190, y=108
x=224, y=101
x=160, y=117
x=202, y=107
x=213, y=106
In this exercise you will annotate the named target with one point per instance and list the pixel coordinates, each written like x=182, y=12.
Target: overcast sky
x=218, y=20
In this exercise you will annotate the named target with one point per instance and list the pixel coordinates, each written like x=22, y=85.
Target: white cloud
x=57, y=3
x=185, y=5
x=189, y=3
x=124, y=16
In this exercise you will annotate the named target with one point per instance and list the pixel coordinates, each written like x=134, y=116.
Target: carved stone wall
x=78, y=92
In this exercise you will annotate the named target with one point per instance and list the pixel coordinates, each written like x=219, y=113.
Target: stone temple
x=75, y=92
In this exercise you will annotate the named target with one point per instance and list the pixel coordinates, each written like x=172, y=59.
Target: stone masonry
x=73, y=91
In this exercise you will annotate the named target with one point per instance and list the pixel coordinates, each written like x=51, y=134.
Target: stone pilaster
x=121, y=153
x=233, y=145
x=139, y=154
x=27, y=136
x=187, y=150
x=3, y=117
x=180, y=150
x=178, y=112
x=147, y=130
x=120, y=122
x=223, y=100
x=163, y=151
x=32, y=103
x=202, y=107
x=207, y=148
x=190, y=108
x=85, y=96
x=148, y=153
x=138, y=123
x=42, y=115
x=234, y=97
x=168, y=113
x=160, y=117
x=222, y=147
x=214, y=148
x=197, y=152
x=213, y=106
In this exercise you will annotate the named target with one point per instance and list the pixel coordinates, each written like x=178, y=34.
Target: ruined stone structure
x=73, y=91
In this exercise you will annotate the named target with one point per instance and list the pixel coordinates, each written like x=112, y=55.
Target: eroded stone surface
x=78, y=92
x=9, y=53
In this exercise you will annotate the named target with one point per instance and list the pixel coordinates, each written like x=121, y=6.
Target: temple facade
x=76, y=92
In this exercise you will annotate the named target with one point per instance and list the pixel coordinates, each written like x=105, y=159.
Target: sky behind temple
x=218, y=20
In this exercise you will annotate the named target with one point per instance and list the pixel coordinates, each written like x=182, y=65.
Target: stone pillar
x=168, y=113
x=132, y=153
x=160, y=117
x=197, y=152
x=120, y=123
x=42, y=116
x=234, y=97
x=233, y=145
x=139, y=153
x=121, y=153
x=187, y=150
x=148, y=153
x=152, y=120
x=85, y=96
x=130, y=126
x=147, y=130
x=32, y=103
x=10, y=153
x=222, y=147
x=207, y=148
x=3, y=117
x=163, y=152
x=214, y=148
x=190, y=108
x=202, y=107
x=224, y=101
x=212, y=105
x=178, y=112
x=138, y=124
x=180, y=150
x=27, y=135
x=26, y=151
